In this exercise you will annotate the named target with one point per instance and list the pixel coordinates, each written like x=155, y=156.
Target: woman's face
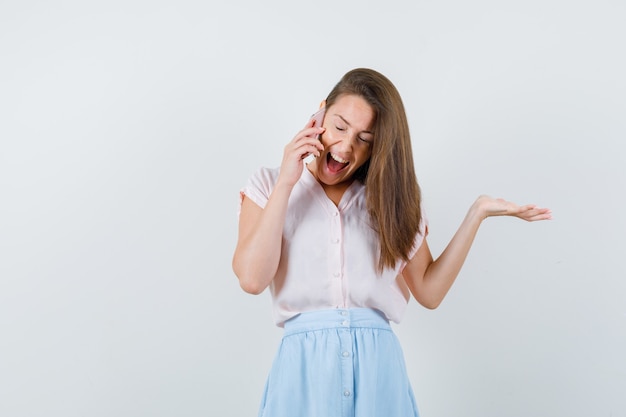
x=347, y=140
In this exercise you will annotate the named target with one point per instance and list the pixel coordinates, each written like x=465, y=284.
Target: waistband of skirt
x=337, y=319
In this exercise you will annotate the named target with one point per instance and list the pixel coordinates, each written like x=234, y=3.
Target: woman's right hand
x=305, y=143
x=259, y=244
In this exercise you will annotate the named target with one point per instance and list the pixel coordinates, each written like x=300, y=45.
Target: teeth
x=338, y=159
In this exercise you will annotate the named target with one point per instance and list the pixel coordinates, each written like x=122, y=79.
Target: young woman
x=341, y=243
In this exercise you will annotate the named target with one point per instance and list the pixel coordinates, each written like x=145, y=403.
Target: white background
x=128, y=127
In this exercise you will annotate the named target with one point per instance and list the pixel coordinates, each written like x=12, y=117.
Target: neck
x=335, y=191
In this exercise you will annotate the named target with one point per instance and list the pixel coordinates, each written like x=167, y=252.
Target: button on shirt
x=330, y=253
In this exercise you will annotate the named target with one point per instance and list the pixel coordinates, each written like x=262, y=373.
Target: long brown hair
x=392, y=192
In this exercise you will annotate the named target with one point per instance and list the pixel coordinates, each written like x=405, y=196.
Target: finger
x=314, y=132
x=527, y=207
x=538, y=214
x=308, y=133
x=315, y=153
x=309, y=141
x=539, y=217
x=302, y=150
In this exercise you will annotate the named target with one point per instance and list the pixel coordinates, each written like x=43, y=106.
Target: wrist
x=283, y=186
x=478, y=210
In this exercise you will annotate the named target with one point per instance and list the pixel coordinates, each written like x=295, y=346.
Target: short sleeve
x=259, y=186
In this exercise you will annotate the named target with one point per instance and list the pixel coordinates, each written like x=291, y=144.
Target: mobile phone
x=318, y=120
x=318, y=117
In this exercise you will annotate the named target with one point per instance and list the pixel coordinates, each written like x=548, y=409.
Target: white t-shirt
x=330, y=253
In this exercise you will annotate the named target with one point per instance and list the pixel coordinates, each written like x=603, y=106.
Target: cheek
x=363, y=157
x=328, y=139
x=325, y=139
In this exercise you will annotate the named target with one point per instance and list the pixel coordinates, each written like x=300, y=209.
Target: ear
x=323, y=104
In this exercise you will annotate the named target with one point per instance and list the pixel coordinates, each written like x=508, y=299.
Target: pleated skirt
x=338, y=363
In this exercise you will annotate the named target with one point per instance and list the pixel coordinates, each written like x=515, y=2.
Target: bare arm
x=429, y=280
x=259, y=242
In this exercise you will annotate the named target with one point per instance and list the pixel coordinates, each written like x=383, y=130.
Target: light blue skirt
x=338, y=363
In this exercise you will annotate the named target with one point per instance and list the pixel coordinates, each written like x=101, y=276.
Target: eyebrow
x=348, y=123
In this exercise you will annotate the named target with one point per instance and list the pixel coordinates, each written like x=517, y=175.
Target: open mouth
x=335, y=163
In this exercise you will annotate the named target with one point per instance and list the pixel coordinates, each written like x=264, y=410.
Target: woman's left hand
x=489, y=206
